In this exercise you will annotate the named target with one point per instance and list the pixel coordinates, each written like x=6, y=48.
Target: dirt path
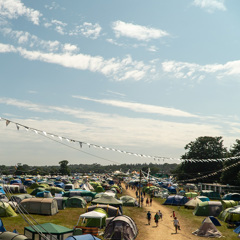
x=165, y=229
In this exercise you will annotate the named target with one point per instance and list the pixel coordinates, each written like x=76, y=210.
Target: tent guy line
x=81, y=143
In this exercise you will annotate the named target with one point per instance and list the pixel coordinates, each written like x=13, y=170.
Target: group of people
x=158, y=216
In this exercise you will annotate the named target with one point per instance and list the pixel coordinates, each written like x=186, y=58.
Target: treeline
x=24, y=169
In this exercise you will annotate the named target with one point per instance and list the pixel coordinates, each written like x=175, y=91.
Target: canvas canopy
x=177, y=200
x=121, y=227
x=98, y=215
x=6, y=210
x=211, y=208
x=11, y=235
x=207, y=229
x=58, y=232
x=42, y=206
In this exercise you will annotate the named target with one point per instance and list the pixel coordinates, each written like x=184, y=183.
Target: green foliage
x=64, y=169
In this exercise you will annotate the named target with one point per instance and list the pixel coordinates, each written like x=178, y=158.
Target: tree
x=202, y=148
x=232, y=176
x=64, y=169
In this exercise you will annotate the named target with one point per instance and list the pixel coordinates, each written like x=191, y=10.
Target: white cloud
x=13, y=9
x=196, y=71
x=88, y=30
x=143, y=108
x=4, y=48
x=137, y=31
x=69, y=48
x=211, y=5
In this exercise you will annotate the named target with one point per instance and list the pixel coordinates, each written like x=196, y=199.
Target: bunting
x=82, y=143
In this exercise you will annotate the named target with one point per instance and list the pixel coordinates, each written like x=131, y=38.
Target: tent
x=190, y=195
x=172, y=190
x=211, y=208
x=83, y=237
x=203, y=198
x=121, y=227
x=58, y=232
x=192, y=203
x=76, y=202
x=18, y=198
x=1, y=190
x=37, y=190
x=44, y=194
x=129, y=201
x=16, y=181
x=3, y=197
x=61, y=202
x=109, y=200
x=110, y=210
x=6, y=210
x=211, y=194
x=177, y=200
x=230, y=215
x=42, y=206
x=207, y=229
x=232, y=196
x=79, y=192
x=214, y=221
x=96, y=218
x=99, y=188
x=54, y=190
x=228, y=203
x=11, y=236
x=108, y=193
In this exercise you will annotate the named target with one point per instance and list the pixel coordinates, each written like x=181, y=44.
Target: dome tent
x=76, y=202
x=10, y=236
x=121, y=227
x=211, y=208
x=176, y=200
x=6, y=210
x=111, y=211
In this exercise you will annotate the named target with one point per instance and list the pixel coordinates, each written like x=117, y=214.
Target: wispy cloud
x=210, y=5
x=139, y=107
x=88, y=30
x=199, y=72
x=123, y=29
x=13, y=9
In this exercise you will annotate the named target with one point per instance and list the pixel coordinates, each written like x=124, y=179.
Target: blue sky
x=136, y=76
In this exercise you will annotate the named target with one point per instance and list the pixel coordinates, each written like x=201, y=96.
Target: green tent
x=94, y=221
x=58, y=232
x=34, y=185
x=230, y=214
x=109, y=200
x=6, y=210
x=76, y=202
x=98, y=189
x=36, y=190
x=210, y=208
x=228, y=204
x=54, y=190
x=190, y=194
x=128, y=201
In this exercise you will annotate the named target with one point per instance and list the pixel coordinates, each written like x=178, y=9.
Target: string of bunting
x=212, y=174
x=82, y=143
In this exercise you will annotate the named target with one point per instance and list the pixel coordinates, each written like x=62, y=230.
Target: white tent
x=192, y=203
x=92, y=215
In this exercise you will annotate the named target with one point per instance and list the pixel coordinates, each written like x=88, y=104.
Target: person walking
x=150, y=201
x=160, y=215
x=142, y=201
x=176, y=224
x=149, y=215
x=147, y=202
x=156, y=218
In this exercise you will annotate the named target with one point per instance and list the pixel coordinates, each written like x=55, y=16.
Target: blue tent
x=237, y=230
x=59, y=184
x=83, y=237
x=232, y=196
x=2, y=228
x=1, y=190
x=18, y=181
x=171, y=189
x=214, y=220
x=176, y=200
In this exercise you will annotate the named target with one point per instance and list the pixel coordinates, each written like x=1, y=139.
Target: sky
x=114, y=82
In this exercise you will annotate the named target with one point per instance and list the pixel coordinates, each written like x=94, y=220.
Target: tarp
x=207, y=229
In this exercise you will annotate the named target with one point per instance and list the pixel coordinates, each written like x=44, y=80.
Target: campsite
x=112, y=211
